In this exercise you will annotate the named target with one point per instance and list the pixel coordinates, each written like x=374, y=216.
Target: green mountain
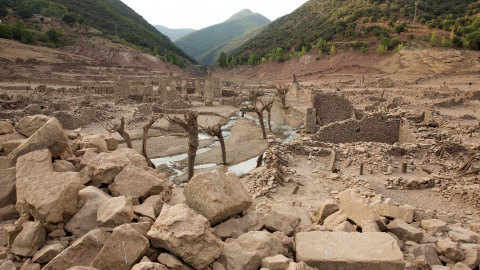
x=174, y=34
x=202, y=41
x=210, y=58
x=109, y=16
x=359, y=20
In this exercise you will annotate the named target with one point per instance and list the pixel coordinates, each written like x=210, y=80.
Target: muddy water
x=172, y=162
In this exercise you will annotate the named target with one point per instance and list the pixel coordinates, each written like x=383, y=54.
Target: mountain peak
x=243, y=13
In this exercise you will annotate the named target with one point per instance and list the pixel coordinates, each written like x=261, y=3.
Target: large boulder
x=263, y=243
x=94, y=141
x=405, y=231
x=149, y=266
x=122, y=250
x=34, y=163
x=234, y=257
x=5, y=128
x=451, y=250
x=105, y=166
x=216, y=195
x=186, y=234
x=396, y=212
x=349, y=251
x=7, y=192
x=85, y=219
x=30, y=124
x=31, y=238
x=48, y=252
x=115, y=211
x=137, y=183
x=50, y=136
x=323, y=211
x=51, y=197
x=357, y=210
x=81, y=253
x=276, y=221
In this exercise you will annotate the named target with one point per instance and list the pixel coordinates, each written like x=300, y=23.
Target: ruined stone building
x=209, y=86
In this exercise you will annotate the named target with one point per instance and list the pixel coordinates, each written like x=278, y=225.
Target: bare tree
x=153, y=119
x=120, y=128
x=282, y=93
x=264, y=103
x=253, y=94
x=216, y=131
x=190, y=125
x=268, y=107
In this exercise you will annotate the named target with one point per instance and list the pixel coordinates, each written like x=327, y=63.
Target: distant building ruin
x=209, y=86
x=327, y=108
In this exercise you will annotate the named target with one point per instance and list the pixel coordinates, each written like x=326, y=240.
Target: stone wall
x=372, y=128
x=331, y=108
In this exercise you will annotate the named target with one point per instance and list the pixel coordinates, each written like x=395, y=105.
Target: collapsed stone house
x=172, y=87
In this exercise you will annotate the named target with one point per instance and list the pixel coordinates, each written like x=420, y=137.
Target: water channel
x=290, y=133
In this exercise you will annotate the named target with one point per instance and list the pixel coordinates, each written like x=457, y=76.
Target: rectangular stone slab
x=349, y=251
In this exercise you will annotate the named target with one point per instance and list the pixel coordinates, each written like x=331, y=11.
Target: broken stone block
x=115, y=211
x=429, y=251
x=8, y=265
x=324, y=210
x=474, y=227
x=370, y=226
x=278, y=262
x=358, y=210
x=94, y=141
x=9, y=146
x=403, y=213
x=325, y=250
x=34, y=163
x=8, y=213
x=233, y=227
x=345, y=227
x=29, y=265
x=47, y=253
x=276, y=221
x=149, y=266
x=335, y=219
x=451, y=250
x=85, y=219
x=180, y=226
x=464, y=235
x=28, y=125
x=81, y=253
x=460, y=266
x=135, y=182
x=50, y=136
x=170, y=261
x=8, y=194
x=216, y=195
x=121, y=250
x=63, y=166
x=299, y=266
x=5, y=163
x=434, y=225
x=405, y=231
x=5, y=128
x=112, y=143
x=30, y=239
x=51, y=197
x=472, y=255
x=235, y=257
x=263, y=243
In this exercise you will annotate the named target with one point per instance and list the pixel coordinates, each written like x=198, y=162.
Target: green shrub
x=53, y=35
x=5, y=31
x=27, y=37
x=363, y=49
x=381, y=48
x=3, y=11
x=473, y=40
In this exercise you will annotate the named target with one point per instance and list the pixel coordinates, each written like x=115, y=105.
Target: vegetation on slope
x=202, y=41
x=174, y=34
x=210, y=58
x=362, y=23
x=111, y=17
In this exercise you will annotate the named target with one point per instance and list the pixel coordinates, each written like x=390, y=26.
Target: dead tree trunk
x=282, y=93
x=269, y=115
x=145, y=137
x=120, y=128
x=190, y=125
x=259, y=111
x=216, y=131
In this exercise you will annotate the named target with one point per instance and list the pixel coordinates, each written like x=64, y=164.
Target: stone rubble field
x=74, y=201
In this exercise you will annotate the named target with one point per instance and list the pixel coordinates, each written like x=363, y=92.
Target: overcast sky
x=198, y=14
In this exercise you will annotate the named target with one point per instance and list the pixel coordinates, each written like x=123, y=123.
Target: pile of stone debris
x=71, y=201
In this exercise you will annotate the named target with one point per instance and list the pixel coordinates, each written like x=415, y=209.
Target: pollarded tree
x=145, y=137
x=259, y=109
x=190, y=125
x=282, y=93
x=216, y=131
x=120, y=128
